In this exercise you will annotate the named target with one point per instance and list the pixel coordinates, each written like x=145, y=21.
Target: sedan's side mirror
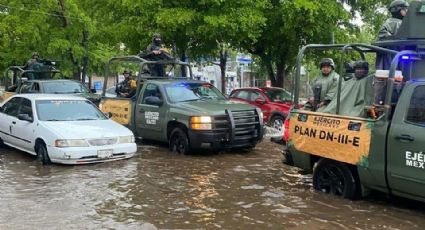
x=108, y=114
x=25, y=117
x=260, y=101
x=153, y=101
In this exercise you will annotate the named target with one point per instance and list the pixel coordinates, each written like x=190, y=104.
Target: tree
x=57, y=29
x=292, y=24
x=191, y=28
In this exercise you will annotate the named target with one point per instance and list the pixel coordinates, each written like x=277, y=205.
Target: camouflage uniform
x=329, y=86
x=389, y=28
x=127, y=88
x=155, y=69
x=391, y=25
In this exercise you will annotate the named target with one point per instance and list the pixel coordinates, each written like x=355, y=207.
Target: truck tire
x=42, y=153
x=179, y=143
x=335, y=178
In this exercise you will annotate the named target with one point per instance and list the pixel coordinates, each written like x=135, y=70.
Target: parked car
x=63, y=129
x=274, y=102
x=61, y=86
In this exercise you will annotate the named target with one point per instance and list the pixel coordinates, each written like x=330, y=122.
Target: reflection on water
x=242, y=190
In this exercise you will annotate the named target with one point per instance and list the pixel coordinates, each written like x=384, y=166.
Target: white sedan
x=63, y=129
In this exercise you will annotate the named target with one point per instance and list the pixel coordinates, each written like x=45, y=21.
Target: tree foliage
x=83, y=35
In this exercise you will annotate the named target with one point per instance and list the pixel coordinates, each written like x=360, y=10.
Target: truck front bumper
x=218, y=141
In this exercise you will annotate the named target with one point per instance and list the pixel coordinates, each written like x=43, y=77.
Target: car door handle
x=405, y=138
x=14, y=122
x=141, y=110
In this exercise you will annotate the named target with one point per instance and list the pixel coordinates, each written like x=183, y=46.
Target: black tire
x=277, y=122
x=179, y=143
x=335, y=178
x=42, y=154
x=2, y=145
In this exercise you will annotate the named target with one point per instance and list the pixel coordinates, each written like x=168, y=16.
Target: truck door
x=149, y=113
x=406, y=144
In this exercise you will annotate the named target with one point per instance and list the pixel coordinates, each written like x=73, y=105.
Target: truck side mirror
x=25, y=117
x=153, y=101
x=108, y=114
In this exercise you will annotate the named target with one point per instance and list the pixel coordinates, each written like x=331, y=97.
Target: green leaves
x=272, y=30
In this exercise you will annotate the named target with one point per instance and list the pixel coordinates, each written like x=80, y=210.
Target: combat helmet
x=327, y=62
x=126, y=71
x=156, y=39
x=361, y=64
x=35, y=54
x=397, y=5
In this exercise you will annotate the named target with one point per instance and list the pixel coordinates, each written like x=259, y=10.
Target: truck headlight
x=63, y=143
x=201, y=123
x=126, y=139
x=261, y=115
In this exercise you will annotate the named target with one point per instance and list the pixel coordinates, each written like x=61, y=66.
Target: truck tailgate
x=341, y=138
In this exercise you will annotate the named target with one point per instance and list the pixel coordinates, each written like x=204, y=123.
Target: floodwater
x=158, y=189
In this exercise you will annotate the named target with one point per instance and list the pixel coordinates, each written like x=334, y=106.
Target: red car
x=274, y=102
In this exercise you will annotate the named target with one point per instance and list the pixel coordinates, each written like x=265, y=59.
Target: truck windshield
x=67, y=110
x=182, y=92
x=64, y=87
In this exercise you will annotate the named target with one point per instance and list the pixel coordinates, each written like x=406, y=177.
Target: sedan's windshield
x=182, y=92
x=278, y=95
x=64, y=87
x=67, y=110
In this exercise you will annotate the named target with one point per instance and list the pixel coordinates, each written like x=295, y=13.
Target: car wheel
x=277, y=123
x=335, y=178
x=179, y=143
x=42, y=154
x=2, y=145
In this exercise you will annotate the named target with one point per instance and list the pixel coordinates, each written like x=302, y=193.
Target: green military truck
x=187, y=114
x=384, y=150
x=44, y=79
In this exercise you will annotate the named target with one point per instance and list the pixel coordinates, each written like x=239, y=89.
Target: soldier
x=398, y=9
x=156, y=45
x=325, y=85
x=155, y=52
x=126, y=88
x=356, y=93
x=33, y=61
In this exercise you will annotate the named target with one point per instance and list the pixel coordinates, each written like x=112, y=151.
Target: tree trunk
x=270, y=72
x=280, y=76
x=223, y=62
x=85, y=59
x=64, y=18
x=183, y=58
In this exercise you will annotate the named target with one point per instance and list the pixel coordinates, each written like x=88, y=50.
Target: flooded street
x=242, y=190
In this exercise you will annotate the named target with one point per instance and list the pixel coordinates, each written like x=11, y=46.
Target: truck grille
x=246, y=123
x=103, y=141
x=239, y=126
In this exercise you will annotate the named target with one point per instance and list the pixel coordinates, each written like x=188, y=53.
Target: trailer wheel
x=42, y=154
x=179, y=143
x=335, y=178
